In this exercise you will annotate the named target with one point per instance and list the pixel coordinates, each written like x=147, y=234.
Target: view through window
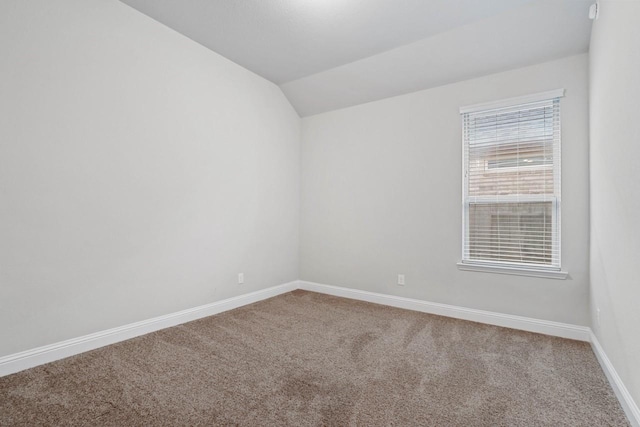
x=511, y=195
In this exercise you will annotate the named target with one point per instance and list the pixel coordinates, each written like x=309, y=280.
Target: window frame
x=506, y=267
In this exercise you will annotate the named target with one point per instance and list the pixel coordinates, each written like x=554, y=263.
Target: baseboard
x=28, y=359
x=563, y=330
x=626, y=401
x=49, y=353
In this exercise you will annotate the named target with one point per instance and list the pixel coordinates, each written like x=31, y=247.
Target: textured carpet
x=306, y=359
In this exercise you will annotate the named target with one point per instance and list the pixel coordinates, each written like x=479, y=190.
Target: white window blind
x=511, y=185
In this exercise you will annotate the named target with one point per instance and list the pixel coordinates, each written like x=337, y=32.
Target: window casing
x=511, y=183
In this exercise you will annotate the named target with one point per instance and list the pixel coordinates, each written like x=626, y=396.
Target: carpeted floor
x=306, y=359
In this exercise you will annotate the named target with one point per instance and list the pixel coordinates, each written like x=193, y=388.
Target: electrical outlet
x=401, y=279
x=240, y=278
x=594, y=11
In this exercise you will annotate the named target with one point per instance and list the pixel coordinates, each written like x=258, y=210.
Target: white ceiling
x=328, y=54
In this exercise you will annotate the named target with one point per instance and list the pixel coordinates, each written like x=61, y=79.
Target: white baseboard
x=626, y=401
x=564, y=330
x=49, y=353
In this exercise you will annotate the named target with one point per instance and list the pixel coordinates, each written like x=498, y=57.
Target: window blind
x=511, y=185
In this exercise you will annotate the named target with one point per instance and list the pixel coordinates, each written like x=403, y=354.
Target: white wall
x=381, y=195
x=139, y=172
x=614, y=90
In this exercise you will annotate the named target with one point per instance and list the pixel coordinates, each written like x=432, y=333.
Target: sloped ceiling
x=329, y=54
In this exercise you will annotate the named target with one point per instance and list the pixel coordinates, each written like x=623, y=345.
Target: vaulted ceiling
x=328, y=54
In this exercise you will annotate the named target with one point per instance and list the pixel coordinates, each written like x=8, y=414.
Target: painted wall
x=139, y=172
x=614, y=90
x=381, y=196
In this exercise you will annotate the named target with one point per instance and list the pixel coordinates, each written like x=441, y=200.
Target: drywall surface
x=139, y=172
x=614, y=91
x=382, y=191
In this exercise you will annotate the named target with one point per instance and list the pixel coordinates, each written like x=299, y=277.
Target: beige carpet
x=306, y=359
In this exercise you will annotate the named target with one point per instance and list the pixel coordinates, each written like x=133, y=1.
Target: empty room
x=319, y=213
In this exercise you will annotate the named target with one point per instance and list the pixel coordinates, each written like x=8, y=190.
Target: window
x=511, y=186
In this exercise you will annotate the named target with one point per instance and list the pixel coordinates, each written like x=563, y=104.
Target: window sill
x=547, y=274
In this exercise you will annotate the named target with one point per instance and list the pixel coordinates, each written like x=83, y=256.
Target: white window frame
x=504, y=267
